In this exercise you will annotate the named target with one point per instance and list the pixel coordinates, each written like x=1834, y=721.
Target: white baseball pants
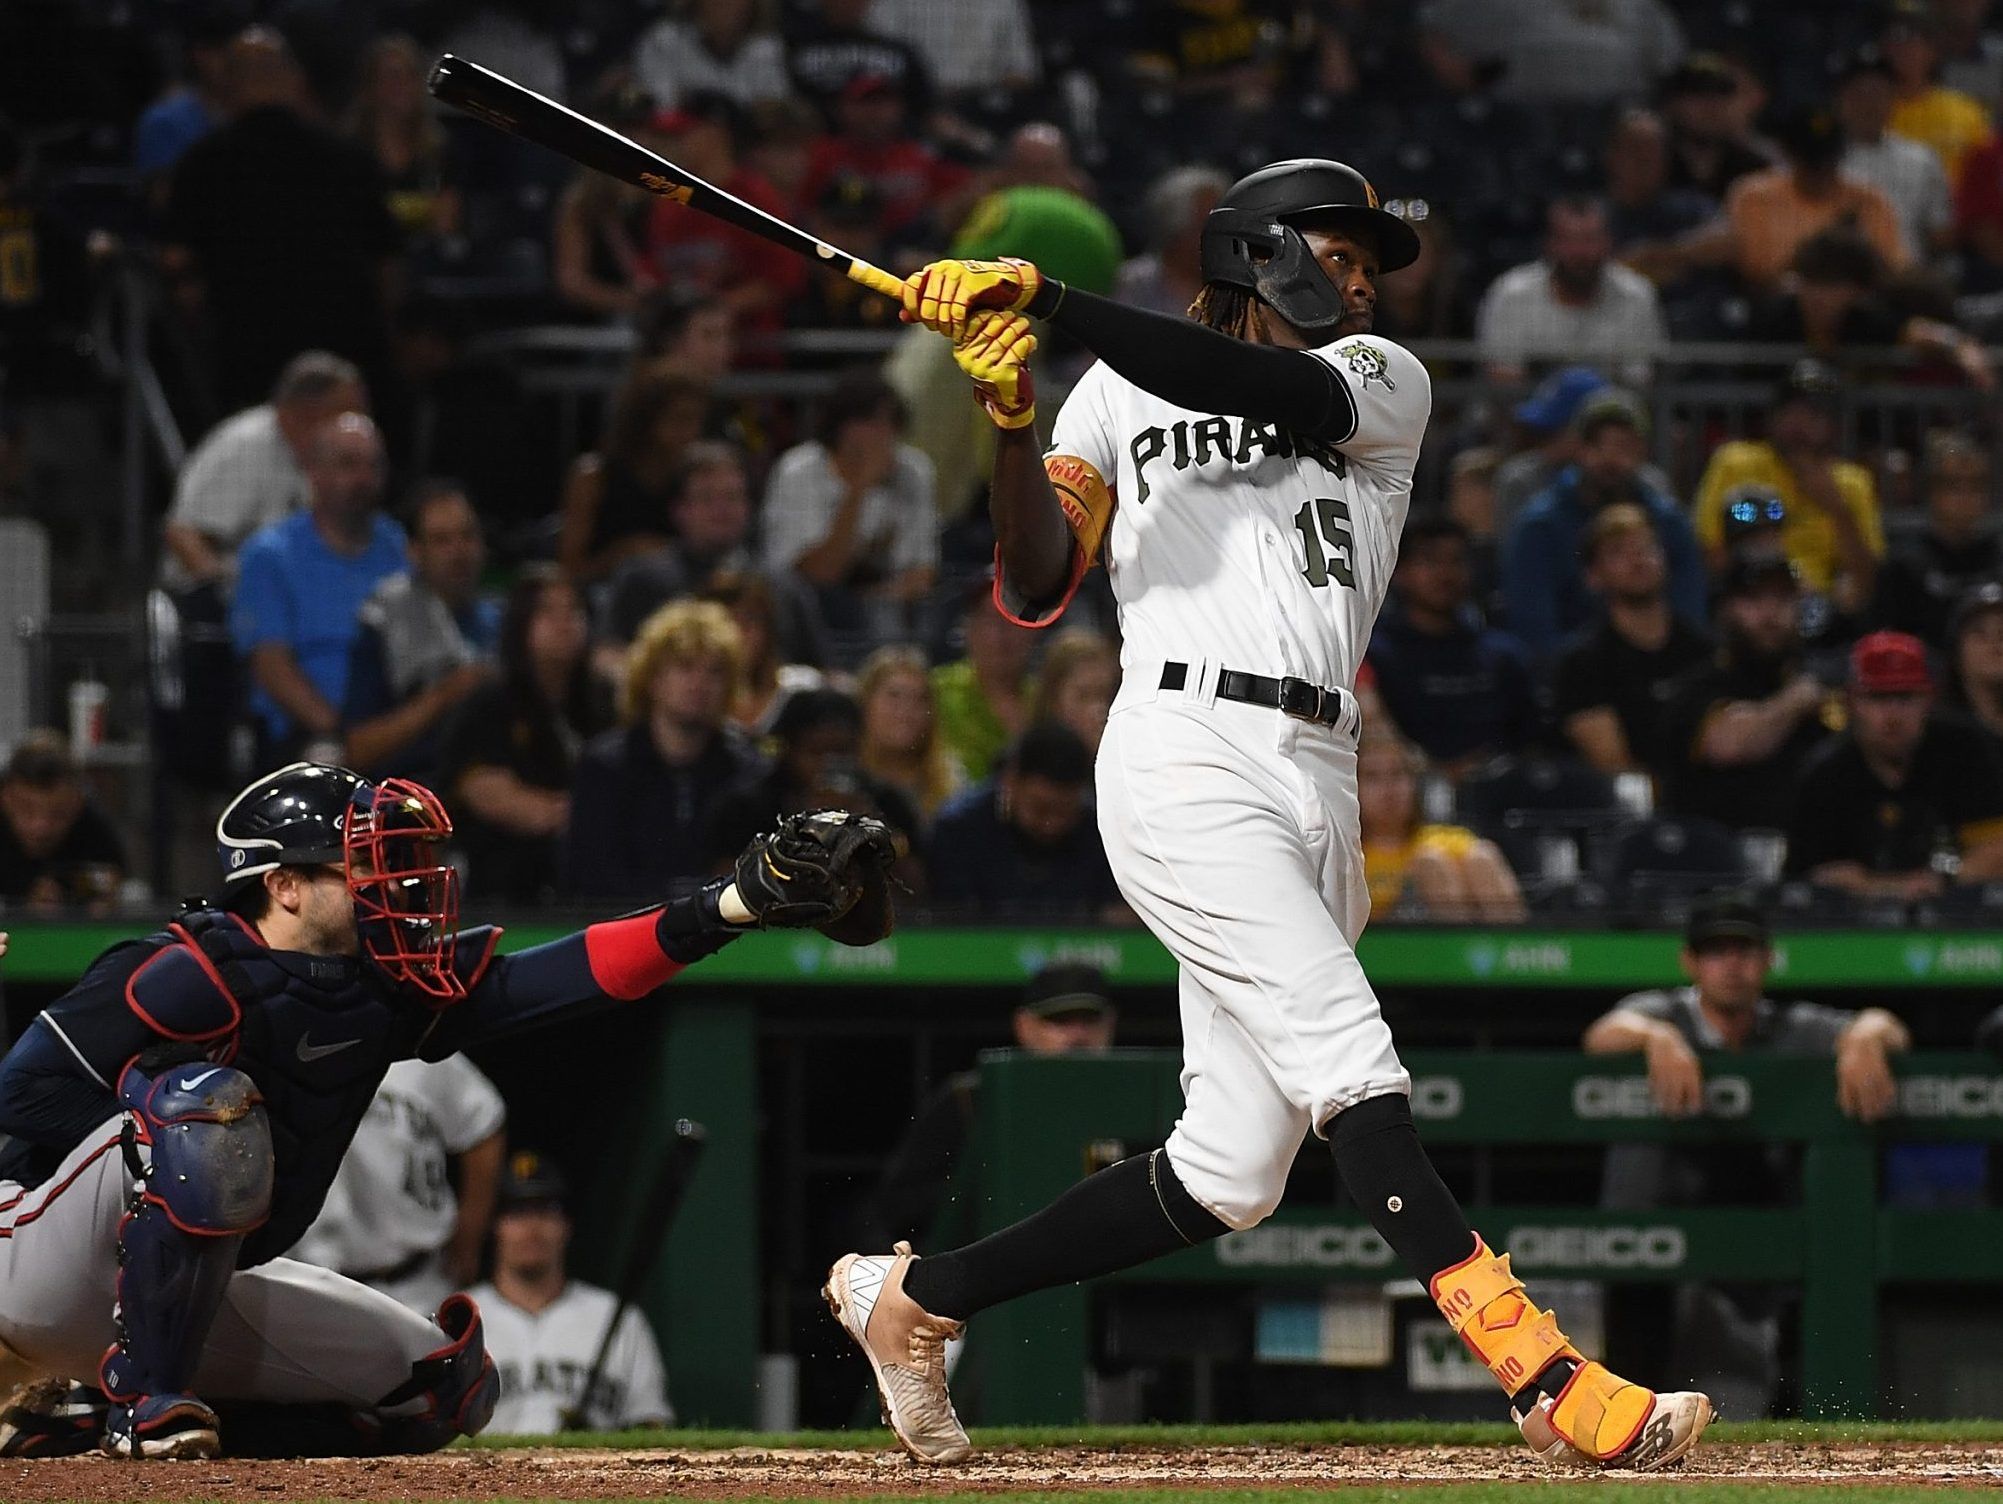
x=1233, y=832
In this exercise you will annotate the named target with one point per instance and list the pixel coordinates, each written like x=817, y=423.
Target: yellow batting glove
x=995, y=352
x=942, y=295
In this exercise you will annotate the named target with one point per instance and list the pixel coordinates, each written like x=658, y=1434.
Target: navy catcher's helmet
x=295, y=817
x=1260, y=212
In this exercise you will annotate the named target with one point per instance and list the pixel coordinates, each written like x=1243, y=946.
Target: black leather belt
x=1300, y=698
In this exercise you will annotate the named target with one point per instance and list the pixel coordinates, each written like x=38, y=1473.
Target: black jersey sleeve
x=60, y=1079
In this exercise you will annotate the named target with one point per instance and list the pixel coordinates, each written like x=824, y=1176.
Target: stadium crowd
x=1618, y=664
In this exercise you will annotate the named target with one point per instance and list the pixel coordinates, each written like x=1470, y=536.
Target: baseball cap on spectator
x=1810, y=380
x=1067, y=990
x=1890, y=663
x=1755, y=570
x=1973, y=605
x=1700, y=73
x=1810, y=136
x=531, y=1179
x=1725, y=917
x=850, y=199
x=1609, y=407
x=1751, y=510
x=1555, y=402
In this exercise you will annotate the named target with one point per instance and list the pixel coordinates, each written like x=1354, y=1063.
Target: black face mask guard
x=1289, y=281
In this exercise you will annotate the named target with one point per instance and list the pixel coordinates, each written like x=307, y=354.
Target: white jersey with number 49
x=1234, y=543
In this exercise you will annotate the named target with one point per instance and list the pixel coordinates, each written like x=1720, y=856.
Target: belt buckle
x=1302, y=699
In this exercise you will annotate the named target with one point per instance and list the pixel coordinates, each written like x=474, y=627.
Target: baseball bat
x=527, y=115
x=657, y=1215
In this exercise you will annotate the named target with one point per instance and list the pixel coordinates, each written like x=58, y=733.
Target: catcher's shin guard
x=208, y=1186
x=450, y=1392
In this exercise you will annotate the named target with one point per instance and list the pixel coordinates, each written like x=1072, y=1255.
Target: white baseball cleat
x=1674, y=1423
x=906, y=1348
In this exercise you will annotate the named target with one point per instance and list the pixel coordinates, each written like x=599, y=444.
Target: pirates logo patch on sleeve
x=1368, y=365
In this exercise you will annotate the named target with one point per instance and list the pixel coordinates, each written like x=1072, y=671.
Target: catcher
x=171, y=1123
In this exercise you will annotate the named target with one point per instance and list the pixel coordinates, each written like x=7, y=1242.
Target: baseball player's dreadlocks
x=1228, y=310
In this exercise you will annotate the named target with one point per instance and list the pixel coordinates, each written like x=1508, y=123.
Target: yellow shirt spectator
x=1807, y=533
x=1386, y=863
x=1949, y=121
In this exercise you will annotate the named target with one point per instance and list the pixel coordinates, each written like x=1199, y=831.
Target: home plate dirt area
x=813, y=1473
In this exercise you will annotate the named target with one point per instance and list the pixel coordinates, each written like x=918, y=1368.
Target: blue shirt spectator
x=301, y=583
x=1455, y=686
x=1024, y=843
x=167, y=129
x=1543, y=569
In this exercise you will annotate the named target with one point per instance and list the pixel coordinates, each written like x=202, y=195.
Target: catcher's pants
x=1233, y=832
x=287, y=1331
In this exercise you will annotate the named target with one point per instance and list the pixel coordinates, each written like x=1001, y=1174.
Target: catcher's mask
x=1252, y=240
x=406, y=898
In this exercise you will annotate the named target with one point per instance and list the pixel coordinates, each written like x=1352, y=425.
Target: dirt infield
x=806, y=1474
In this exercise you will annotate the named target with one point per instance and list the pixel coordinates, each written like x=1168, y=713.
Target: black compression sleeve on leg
x=1184, y=362
x=1126, y=1214
x=1380, y=1159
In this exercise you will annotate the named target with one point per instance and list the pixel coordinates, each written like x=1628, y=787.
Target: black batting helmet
x=292, y=818
x=1260, y=212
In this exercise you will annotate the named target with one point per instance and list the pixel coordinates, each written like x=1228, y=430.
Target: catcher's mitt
x=827, y=870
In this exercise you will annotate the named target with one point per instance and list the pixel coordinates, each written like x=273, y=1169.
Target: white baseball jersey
x=393, y=1195
x=1235, y=543
x=544, y=1357
x=1233, y=829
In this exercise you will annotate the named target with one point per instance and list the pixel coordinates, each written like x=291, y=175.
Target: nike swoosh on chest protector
x=308, y=1052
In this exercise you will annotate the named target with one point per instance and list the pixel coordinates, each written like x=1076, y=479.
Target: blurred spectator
x=832, y=46
x=1728, y=1338
x=427, y=641
x=1037, y=154
x=1907, y=173
x=1613, y=679
x=598, y=235
x=1975, y=649
x=1903, y=801
x=615, y=501
x=1430, y=299
x=752, y=276
x=392, y=119
x=1769, y=214
x=1971, y=53
x=849, y=212
x=780, y=140
x=781, y=632
x=1831, y=529
x=1064, y=1010
x=709, y=525
x=1575, y=303
x=1444, y=873
x=725, y=47
x=1457, y=688
x=983, y=697
x=1076, y=685
x=816, y=735
x=195, y=102
x=1927, y=111
x=642, y=794
x=1711, y=145
x=281, y=230
x=871, y=143
x=300, y=586
x=1025, y=842
x=1471, y=501
x=1978, y=217
x=1546, y=439
x=512, y=37
x=1542, y=556
x=57, y=848
x=510, y=754
x=544, y=1328
x=1168, y=275
x=1645, y=209
x=249, y=470
x=852, y=513
x=1839, y=305
x=46, y=296
x=692, y=332
x=392, y=1218
x=968, y=46
x=900, y=742
x=1598, y=54
x=1927, y=573
x=1739, y=728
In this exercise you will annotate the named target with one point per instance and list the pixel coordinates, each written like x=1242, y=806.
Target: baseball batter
x=1244, y=474
x=170, y=1126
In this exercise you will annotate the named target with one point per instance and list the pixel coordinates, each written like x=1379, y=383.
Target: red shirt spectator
x=872, y=146
x=1978, y=215
x=686, y=249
